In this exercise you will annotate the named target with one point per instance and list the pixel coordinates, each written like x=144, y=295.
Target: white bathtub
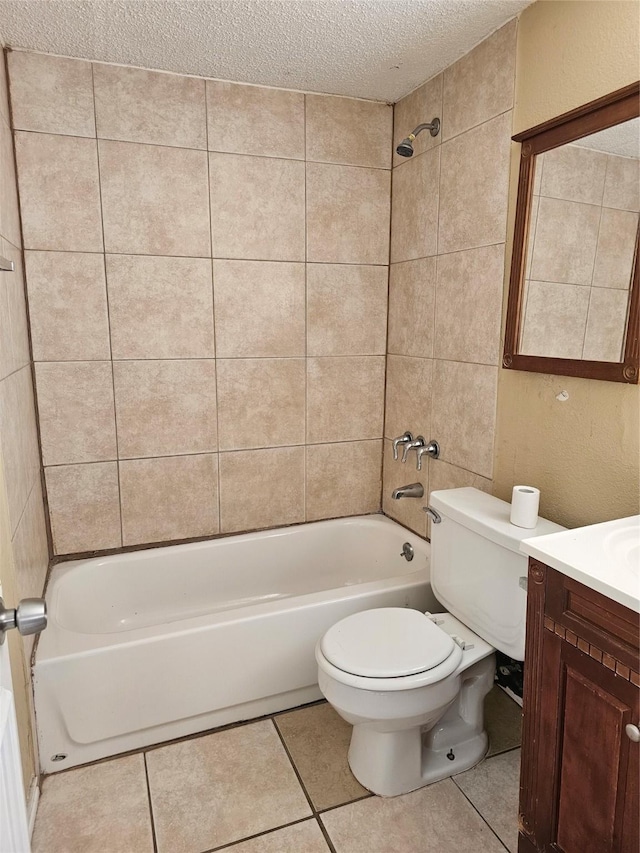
x=151, y=645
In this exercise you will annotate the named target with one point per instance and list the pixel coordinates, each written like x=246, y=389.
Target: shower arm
x=432, y=126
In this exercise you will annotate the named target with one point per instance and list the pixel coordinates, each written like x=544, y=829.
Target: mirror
x=573, y=296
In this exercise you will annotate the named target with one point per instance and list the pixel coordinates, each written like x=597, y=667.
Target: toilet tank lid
x=487, y=516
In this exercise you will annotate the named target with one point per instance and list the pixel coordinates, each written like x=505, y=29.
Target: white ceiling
x=622, y=139
x=379, y=49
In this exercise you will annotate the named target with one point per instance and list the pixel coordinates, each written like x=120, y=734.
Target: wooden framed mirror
x=574, y=295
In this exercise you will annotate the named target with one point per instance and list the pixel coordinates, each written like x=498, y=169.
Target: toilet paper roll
x=525, y=501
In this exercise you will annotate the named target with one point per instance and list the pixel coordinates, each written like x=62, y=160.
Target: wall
x=582, y=453
x=448, y=232
x=170, y=408
x=580, y=253
x=24, y=552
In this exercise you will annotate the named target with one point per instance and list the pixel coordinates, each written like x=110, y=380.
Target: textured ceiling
x=380, y=49
x=623, y=139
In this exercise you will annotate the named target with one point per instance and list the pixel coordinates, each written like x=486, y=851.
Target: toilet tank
x=477, y=569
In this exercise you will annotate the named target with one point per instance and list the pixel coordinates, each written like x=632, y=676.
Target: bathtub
x=151, y=645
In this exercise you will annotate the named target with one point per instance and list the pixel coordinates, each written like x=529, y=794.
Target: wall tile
x=565, y=254
x=474, y=181
x=154, y=199
x=160, y=307
x=345, y=398
x=9, y=213
x=407, y=511
x=412, y=290
x=135, y=105
x=255, y=120
x=257, y=208
x=408, y=397
x=469, y=305
x=481, y=84
x=51, y=94
x=75, y=403
x=175, y=497
x=622, y=184
x=84, y=507
x=14, y=334
x=348, y=131
x=343, y=479
x=30, y=546
x=347, y=214
x=616, y=248
x=574, y=174
x=260, y=308
x=261, y=402
x=18, y=441
x=165, y=408
x=463, y=414
x=414, y=201
x=420, y=106
x=554, y=320
x=4, y=94
x=346, y=309
x=59, y=193
x=271, y=483
x=67, y=306
x=606, y=323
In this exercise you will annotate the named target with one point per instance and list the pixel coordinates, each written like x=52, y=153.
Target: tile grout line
x=479, y=813
x=152, y=819
x=106, y=289
x=233, y=844
x=304, y=790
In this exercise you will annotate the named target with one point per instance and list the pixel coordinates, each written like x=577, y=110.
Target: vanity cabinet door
x=594, y=757
x=579, y=782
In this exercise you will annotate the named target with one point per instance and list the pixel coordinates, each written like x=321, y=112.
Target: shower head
x=405, y=149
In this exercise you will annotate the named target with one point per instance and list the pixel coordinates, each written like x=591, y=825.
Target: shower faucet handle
x=412, y=445
x=402, y=439
x=432, y=449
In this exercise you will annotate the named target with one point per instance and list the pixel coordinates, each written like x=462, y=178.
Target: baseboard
x=32, y=804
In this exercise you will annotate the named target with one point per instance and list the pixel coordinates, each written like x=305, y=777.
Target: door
x=14, y=833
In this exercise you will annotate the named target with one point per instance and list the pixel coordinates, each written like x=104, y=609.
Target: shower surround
x=207, y=273
x=207, y=269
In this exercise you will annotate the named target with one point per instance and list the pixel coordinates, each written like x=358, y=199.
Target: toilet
x=413, y=684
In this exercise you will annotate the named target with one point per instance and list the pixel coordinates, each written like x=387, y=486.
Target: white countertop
x=604, y=557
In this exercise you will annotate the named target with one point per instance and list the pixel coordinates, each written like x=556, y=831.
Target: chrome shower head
x=405, y=149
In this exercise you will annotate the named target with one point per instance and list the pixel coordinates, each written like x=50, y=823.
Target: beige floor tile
x=503, y=721
x=214, y=790
x=435, y=819
x=318, y=741
x=493, y=788
x=305, y=837
x=103, y=808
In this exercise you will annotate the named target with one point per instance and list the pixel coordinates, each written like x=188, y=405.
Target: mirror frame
x=618, y=107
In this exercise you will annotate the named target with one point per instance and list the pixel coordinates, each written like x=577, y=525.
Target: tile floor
x=279, y=785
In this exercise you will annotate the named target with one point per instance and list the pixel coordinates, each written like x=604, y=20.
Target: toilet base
x=390, y=763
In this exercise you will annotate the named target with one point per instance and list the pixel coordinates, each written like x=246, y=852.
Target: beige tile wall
x=207, y=274
x=580, y=250
x=24, y=553
x=448, y=232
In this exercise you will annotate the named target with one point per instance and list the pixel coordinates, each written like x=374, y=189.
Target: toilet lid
x=386, y=643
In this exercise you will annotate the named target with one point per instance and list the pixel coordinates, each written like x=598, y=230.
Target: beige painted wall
x=583, y=453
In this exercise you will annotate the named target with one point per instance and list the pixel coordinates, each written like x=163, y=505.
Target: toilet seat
x=404, y=682
x=388, y=642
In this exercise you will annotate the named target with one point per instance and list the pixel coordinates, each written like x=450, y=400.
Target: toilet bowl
x=417, y=714
x=412, y=684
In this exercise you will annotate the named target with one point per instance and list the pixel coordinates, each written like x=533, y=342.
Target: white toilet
x=412, y=684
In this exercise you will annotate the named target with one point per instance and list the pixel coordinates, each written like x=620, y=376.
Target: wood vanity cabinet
x=579, y=784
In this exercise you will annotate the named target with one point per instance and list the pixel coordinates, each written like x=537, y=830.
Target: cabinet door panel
x=594, y=758
x=592, y=727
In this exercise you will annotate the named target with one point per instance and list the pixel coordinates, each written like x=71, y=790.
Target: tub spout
x=415, y=490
